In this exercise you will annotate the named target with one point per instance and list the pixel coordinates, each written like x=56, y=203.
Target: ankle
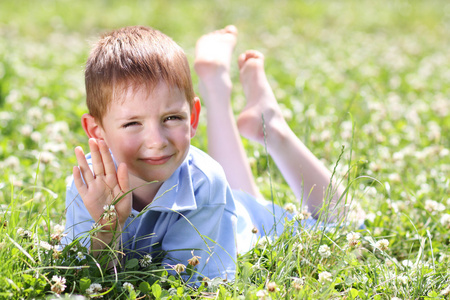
x=278, y=136
x=219, y=84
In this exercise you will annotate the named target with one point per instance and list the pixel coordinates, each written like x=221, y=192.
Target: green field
x=364, y=84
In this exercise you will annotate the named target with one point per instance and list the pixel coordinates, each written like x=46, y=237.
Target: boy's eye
x=171, y=118
x=130, y=124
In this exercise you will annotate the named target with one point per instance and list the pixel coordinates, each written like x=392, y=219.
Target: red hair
x=133, y=56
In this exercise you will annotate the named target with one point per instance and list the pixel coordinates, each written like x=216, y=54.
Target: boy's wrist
x=103, y=238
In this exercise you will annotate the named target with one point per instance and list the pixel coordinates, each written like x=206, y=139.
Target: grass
x=371, y=76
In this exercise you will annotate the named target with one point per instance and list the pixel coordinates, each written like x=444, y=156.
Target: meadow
x=364, y=84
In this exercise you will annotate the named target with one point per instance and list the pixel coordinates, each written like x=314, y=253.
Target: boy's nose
x=155, y=138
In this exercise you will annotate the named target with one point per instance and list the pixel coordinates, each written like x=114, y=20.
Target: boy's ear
x=91, y=127
x=195, y=115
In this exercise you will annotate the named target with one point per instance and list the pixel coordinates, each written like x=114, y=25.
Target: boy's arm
x=104, y=192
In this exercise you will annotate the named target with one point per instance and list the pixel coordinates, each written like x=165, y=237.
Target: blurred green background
x=377, y=60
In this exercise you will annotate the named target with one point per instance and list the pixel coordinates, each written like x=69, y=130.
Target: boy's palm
x=104, y=187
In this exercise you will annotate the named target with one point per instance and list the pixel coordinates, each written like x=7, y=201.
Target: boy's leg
x=301, y=169
x=212, y=65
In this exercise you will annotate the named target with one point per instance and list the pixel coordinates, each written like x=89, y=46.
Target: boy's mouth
x=157, y=160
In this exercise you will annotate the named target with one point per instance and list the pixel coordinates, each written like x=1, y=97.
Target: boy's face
x=149, y=131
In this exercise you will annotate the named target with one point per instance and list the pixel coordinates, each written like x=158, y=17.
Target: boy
x=144, y=186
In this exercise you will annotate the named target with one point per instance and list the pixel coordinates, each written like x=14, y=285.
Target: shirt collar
x=177, y=192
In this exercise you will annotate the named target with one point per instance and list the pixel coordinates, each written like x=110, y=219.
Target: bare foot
x=260, y=101
x=213, y=53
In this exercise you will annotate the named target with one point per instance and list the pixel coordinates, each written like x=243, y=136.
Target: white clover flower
x=6, y=116
x=262, y=294
x=264, y=240
x=56, y=278
x=11, y=162
x=371, y=217
x=58, y=232
x=34, y=114
x=49, y=118
x=35, y=136
x=95, y=227
x=56, y=253
x=297, y=246
x=324, y=251
x=302, y=215
x=377, y=231
x=55, y=147
x=356, y=213
x=442, y=258
x=407, y=263
x=433, y=206
x=46, y=157
x=353, y=238
x=45, y=245
x=396, y=298
x=108, y=207
x=325, y=276
x=290, y=207
x=94, y=288
x=272, y=287
x=26, y=130
x=46, y=103
x=58, y=228
x=128, y=286
x=145, y=261
x=110, y=212
x=59, y=127
x=382, y=244
x=26, y=234
x=446, y=291
x=403, y=279
x=298, y=283
x=445, y=220
x=394, y=177
x=80, y=255
x=59, y=284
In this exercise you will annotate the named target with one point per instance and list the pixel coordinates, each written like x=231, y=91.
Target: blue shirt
x=194, y=209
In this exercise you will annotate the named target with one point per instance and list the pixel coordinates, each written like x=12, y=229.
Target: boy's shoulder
x=205, y=165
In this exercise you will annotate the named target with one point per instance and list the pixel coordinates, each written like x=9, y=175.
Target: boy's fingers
x=97, y=163
x=124, y=205
x=122, y=177
x=108, y=163
x=79, y=184
x=83, y=165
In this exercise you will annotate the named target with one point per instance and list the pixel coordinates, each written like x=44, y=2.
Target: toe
x=231, y=29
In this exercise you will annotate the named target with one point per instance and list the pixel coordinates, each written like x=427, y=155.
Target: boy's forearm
x=103, y=240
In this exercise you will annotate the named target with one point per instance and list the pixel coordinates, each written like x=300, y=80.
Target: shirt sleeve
x=78, y=220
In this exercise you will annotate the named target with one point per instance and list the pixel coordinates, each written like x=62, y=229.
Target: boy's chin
x=141, y=180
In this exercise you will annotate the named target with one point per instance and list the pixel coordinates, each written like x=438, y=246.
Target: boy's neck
x=144, y=194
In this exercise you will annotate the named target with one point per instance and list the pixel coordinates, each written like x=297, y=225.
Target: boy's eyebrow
x=175, y=111
x=132, y=117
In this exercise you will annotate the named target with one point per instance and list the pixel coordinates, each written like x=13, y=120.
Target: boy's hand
x=104, y=187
